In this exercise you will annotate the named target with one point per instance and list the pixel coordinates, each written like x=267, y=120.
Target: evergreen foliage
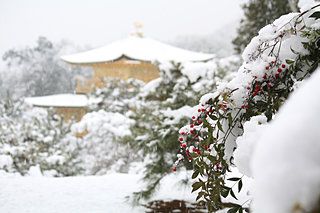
x=157, y=117
x=258, y=13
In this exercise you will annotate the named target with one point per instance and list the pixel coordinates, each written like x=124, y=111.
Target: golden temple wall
x=124, y=69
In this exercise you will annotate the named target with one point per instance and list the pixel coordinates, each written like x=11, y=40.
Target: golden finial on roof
x=137, y=32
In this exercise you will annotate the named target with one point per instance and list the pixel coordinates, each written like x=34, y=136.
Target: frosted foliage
x=286, y=160
x=99, y=149
x=247, y=142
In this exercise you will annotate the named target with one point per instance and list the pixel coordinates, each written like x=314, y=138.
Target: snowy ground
x=92, y=194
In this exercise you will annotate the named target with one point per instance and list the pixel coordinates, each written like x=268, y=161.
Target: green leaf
x=213, y=117
x=196, y=186
x=233, y=209
x=240, y=210
x=195, y=174
x=240, y=185
x=225, y=193
x=212, y=158
x=219, y=126
x=289, y=61
x=315, y=15
x=234, y=179
x=230, y=119
x=200, y=194
x=233, y=195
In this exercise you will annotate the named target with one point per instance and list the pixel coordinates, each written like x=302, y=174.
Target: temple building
x=132, y=57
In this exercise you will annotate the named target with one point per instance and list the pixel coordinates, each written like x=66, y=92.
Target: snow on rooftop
x=137, y=48
x=60, y=100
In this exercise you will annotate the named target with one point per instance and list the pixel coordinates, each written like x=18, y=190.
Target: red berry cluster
x=258, y=86
x=194, y=128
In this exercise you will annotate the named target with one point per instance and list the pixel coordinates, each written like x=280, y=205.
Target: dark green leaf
x=234, y=179
x=239, y=185
x=195, y=174
x=289, y=61
x=233, y=210
x=200, y=194
x=196, y=186
x=233, y=195
x=230, y=119
x=213, y=117
x=219, y=126
x=225, y=193
x=315, y=15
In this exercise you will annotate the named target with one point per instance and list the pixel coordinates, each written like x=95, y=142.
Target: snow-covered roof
x=136, y=48
x=60, y=100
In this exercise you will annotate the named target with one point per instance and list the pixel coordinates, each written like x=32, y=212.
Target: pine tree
x=259, y=13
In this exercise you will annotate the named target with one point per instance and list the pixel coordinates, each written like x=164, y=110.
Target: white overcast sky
x=98, y=22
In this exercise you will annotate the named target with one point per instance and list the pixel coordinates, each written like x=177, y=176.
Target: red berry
x=193, y=117
x=248, y=88
x=224, y=106
x=254, y=94
x=191, y=125
x=181, y=139
x=247, y=106
x=279, y=69
x=198, y=152
x=255, y=77
x=199, y=110
x=269, y=85
x=199, y=122
x=256, y=90
x=187, y=151
x=189, y=159
x=280, y=36
x=267, y=68
x=174, y=169
x=220, y=105
x=272, y=62
x=264, y=77
x=209, y=150
x=203, y=110
x=210, y=110
x=182, y=133
x=257, y=86
x=277, y=75
x=184, y=145
x=192, y=132
x=283, y=66
x=242, y=107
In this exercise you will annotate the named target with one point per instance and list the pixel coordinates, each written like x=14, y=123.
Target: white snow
x=286, y=160
x=246, y=143
x=59, y=100
x=137, y=48
x=96, y=194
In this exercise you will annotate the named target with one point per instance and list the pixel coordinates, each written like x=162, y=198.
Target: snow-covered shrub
x=34, y=136
x=275, y=62
x=99, y=150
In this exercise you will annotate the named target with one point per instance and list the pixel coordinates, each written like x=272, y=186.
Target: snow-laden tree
x=164, y=104
x=227, y=123
x=35, y=71
x=259, y=13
